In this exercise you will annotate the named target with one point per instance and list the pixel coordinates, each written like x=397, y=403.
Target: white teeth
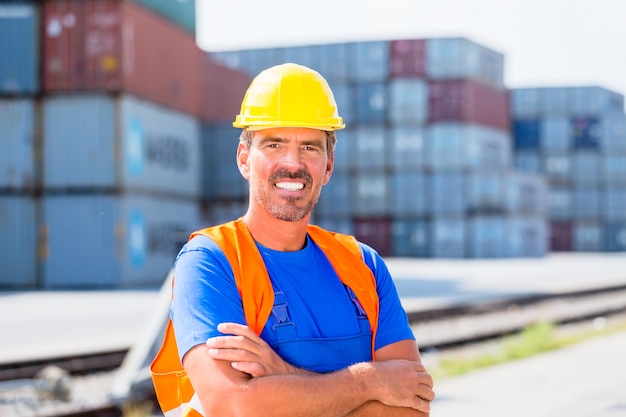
x=292, y=186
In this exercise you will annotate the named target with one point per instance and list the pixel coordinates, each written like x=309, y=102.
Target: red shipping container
x=115, y=45
x=408, y=58
x=468, y=101
x=375, y=232
x=223, y=91
x=561, y=236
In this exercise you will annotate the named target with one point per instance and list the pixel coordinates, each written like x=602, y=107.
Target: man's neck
x=276, y=234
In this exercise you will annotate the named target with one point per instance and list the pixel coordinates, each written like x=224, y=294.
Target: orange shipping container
x=115, y=45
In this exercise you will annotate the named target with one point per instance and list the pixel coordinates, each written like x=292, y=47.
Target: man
x=272, y=316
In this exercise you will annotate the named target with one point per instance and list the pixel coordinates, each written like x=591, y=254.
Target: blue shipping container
x=525, y=194
x=586, y=203
x=585, y=132
x=527, y=237
x=588, y=237
x=447, y=237
x=446, y=194
x=408, y=101
x=220, y=175
x=613, y=170
x=408, y=194
x=335, y=198
x=18, y=240
x=103, y=142
x=370, y=102
x=405, y=148
x=555, y=134
x=559, y=203
x=113, y=241
x=486, y=237
x=613, y=203
x=370, y=194
x=19, y=48
x=17, y=145
x=485, y=191
x=409, y=238
x=527, y=161
x=527, y=133
x=333, y=61
x=369, y=61
x=613, y=133
x=615, y=233
x=368, y=144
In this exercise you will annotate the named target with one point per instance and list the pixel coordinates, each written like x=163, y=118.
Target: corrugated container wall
x=109, y=45
x=17, y=145
x=408, y=58
x=19, y=47
x=18, y=240
x=117, y=240
x=468, y=101
x=459, y=58
x=100, y=142
x=223, y=90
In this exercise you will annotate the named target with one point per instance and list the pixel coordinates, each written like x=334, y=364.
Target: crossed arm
x=241, y=375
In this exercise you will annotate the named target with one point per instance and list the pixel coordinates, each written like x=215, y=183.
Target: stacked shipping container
x=576, y=138
x=101, y=112
x=424, y=167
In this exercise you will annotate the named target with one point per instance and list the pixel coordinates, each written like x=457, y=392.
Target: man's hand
x=247, y=352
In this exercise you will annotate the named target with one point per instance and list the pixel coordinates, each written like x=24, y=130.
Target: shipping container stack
x=424, y=167
x=19, y=89
x=108, y=137
x=576, y=138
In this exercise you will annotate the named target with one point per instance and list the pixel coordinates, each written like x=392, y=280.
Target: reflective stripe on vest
x=173, y=389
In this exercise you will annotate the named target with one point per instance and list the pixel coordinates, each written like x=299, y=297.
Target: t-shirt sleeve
x=205, y=294
x=393, y=323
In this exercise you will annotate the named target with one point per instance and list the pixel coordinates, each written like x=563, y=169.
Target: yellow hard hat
x=289, y=95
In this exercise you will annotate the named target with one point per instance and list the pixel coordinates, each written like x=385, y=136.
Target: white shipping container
x=102, y=142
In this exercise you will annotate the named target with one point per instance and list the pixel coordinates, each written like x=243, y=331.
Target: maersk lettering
x=167, y=151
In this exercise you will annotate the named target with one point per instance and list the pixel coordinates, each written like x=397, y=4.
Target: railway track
x=437, y=329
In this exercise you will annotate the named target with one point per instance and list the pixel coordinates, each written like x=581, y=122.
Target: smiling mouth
x=290, y=186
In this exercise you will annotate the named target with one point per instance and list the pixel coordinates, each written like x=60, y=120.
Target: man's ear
x=242, y=160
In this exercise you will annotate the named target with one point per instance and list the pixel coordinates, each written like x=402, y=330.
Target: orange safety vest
x=173, y=389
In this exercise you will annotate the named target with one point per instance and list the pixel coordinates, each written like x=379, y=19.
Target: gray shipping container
x=18, y=240
x=17, y=144
x=101, y=142
x=113, y=241
x=19, y=48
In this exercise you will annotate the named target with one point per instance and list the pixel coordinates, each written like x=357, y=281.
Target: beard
x=289, y=210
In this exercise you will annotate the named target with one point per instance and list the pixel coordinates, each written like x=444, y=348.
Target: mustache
x=285, y=173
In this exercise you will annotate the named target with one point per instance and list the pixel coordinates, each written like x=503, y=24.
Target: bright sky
x=545, y=42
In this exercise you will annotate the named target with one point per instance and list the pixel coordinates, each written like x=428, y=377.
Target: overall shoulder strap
x=344, y=254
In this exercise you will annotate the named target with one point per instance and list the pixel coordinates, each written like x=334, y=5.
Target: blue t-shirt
x=205, y=294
